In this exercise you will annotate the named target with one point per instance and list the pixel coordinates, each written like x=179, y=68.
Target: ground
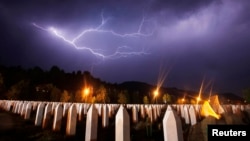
x=13, y=127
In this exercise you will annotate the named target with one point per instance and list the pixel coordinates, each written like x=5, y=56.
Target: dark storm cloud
x=61, y=10
x=192, y=38
x=180, y=6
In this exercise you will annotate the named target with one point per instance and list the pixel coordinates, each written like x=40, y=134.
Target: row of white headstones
x=172, y=125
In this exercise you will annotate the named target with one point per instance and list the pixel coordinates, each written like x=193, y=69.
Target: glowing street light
x=183, y=100
x=161, y=78
x=198, y=99
x=199, y=96
x=156, y=93
x=86, y=92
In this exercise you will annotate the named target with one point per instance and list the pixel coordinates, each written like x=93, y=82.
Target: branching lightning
x=120, y=51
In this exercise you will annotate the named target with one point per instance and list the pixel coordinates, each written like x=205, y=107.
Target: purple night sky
x=133, y=40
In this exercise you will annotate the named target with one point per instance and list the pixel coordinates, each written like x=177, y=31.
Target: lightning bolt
x=120, y=51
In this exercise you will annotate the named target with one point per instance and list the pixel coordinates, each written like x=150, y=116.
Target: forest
x=36, y=84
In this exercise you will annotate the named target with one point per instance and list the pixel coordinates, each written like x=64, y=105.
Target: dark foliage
x=38, y=84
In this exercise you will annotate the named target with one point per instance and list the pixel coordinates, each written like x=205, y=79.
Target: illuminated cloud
x=194, y=38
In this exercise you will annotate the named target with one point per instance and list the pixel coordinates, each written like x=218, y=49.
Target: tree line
x=36, y=84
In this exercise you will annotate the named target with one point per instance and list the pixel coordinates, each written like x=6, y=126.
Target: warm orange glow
x=86, y=91
x=161, y=78
x=156, y=93
x=207, y=110
x=215, y=104
x=199, y=96
x=198, y=99
x=183, y=99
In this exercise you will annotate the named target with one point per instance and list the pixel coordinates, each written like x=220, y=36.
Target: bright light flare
x=86, y=91
x=198, y=99
x=161, y=78
x=183, y=99
x=156, y=93
x=85, y=94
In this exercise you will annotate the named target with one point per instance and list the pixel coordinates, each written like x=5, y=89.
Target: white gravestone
x=71, y=120
x=65, y=108
x=14, y=107
x=47, y=115
x=105, y=116
x=110, y=107
x=58, y=118
x=150, y=113
x=192, y=114
x=122, y=125
x=85, y=110
x=39, y=114
x=182, y=111
x=34, y=106
x=154, y=110
x=20, y=108
x=23, y=109
x=28, y=111
x=142, y=111
x=158, y=110
x=99, y=109
x=91, y=124
x=80, y=112
x=186, y=114
x=134, y=114
x=172, y=128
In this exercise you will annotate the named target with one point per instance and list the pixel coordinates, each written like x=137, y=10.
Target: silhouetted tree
x=13, y=93
x=65, y=97
x=57, y=77
x=55, y=93
x=166, y=98
x=145, y=100
x=79, y=96
x=101, y=95
x=18, y=91
x=37, y=75
x=122, y=99
x=93, y=99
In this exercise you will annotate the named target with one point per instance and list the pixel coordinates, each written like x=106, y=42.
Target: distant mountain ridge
x=147, y=89
x=38, y=84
